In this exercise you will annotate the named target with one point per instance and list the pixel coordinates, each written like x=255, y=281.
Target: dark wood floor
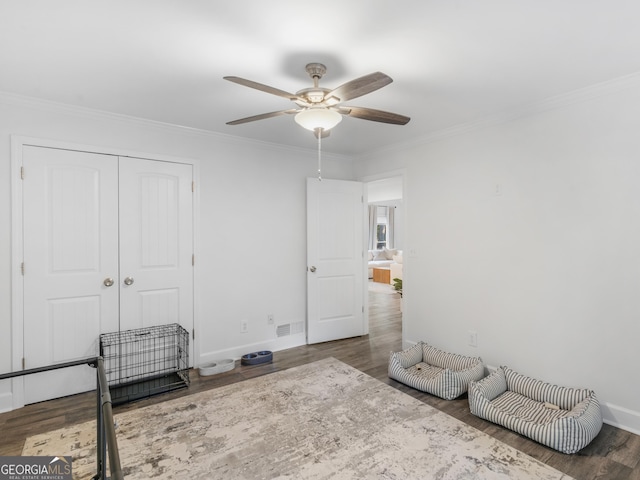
x=614, y=454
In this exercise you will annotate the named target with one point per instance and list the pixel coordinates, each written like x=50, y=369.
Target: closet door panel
x=70, y=221
x=156, y=243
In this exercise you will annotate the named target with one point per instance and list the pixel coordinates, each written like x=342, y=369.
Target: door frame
x=407, y=253
x=17, y=253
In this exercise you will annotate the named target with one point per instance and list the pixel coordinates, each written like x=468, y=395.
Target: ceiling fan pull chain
x=319, y=135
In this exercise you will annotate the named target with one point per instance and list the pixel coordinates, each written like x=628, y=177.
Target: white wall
x=528, y=232
x=248, y=264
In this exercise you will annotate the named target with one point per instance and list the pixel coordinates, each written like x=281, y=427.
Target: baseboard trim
x=621, y=417
x=6, y=402
x=275, y=345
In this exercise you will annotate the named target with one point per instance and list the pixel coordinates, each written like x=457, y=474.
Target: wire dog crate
x=147, y=361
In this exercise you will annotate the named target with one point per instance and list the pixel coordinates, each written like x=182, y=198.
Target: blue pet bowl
x=256, y=358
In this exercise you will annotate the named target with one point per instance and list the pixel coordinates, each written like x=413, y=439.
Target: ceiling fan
x=319, y=109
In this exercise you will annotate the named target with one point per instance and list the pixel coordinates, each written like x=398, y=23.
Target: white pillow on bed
x=379, y=255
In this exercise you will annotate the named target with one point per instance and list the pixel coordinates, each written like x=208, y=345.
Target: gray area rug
x=317, y=421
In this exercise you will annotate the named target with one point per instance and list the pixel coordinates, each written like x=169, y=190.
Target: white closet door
x=70, y=247
x=156, y=244
x=90, y=218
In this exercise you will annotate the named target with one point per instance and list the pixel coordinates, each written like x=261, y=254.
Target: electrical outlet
x=244, y=326
x=270, y=319
x=473, y=338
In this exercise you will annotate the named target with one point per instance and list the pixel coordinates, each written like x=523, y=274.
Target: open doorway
x=385, y=244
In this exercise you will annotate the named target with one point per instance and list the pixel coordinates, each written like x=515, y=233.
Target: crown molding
x=551, y=103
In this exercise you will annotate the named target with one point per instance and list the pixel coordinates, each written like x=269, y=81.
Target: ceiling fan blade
x=263, y=116
x=374, y=115
x=358, y=87
x=264, y=88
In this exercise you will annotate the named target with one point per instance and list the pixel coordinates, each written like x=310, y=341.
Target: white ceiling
x=453, y=62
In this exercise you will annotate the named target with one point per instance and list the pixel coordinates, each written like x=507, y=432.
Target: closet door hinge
x=193, y=259
x=193, y=333
x=21, y=173
x=22, y=268
x=24, y=363
x=193, y=186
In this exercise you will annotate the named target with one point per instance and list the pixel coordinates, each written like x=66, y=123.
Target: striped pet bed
x=565, y=419
x=425, y=368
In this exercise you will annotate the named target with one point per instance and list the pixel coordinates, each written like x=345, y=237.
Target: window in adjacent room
x=381, y=227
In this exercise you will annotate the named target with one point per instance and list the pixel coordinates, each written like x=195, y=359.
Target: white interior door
x=335, y=260
x=70, y=221
x=156, y=238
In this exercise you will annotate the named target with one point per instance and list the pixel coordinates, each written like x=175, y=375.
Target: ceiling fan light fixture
x=314, y=118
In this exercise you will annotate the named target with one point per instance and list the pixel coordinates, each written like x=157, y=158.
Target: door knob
x=108, y=282
x=312, y=268
x=128, y=281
